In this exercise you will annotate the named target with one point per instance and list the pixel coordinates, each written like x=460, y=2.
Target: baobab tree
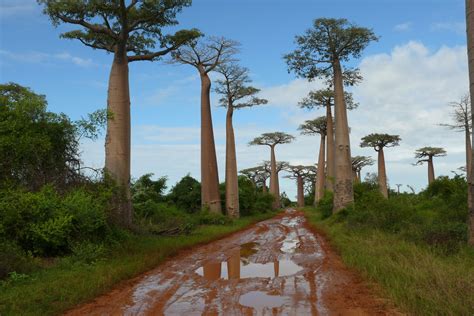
x=325, y=98
x=461, y=115
x=267, y=166
x=300, y=174
x=236, y=94
x=205, y=55
x=470, y=55
x=312, y=127
x=359, y=162
x=320, y=52
x=131, y=32
x=258, y=175
x=426, y=154
x=272, y=140
x=378, y=142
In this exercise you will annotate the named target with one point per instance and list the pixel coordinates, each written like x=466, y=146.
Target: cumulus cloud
x=406, y=26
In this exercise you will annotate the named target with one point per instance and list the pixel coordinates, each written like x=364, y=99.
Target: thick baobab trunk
x=210, y=196
x=117, y=143
x=382, y=175
x=231, y=179
x=320, y=176
x=264, y=187
x=343, y=190
x=470, y=55
x=300, y=191
x=355, y=176
x=431, y=174
x=331, y=147
x=274, y=189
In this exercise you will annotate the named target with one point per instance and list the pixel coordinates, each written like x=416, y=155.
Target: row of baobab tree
x=134, y=31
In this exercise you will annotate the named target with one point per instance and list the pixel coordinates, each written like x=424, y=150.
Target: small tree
x=130, y=31
x=320, y=52
x=236, y=94
x=359, y=162
x=312, y=127
x=205, y=55
x=378, y=142
x=301, y=174
x=461, y=115
x=272, y=140
x=426, y=154
x=324, y=98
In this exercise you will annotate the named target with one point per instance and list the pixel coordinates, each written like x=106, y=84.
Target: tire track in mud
x=277, y=267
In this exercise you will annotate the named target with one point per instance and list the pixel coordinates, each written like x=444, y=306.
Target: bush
x=186, y=194
x=14, y=259
x=325, y=205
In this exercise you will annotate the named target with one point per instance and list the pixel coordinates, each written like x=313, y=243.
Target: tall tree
x=325, y=98
x=205, y=55
x=312, y=127
x=267, y=166
x=426, y=154
x=359, y=162
x=470, y=55
x=320, y=52
x=131, y=32
x=461, y=114
x=236, y=94
x=378, y=142
x=301, y=174
x=272, y=140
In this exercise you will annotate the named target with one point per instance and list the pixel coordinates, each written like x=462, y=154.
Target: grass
x=415, y=278
x=54, y=290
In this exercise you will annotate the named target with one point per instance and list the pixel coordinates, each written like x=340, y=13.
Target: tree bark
x=320, y=176
x=117, y=143
x=231, y=178
x=300, y=191
x=468, y=151
x=274, y=189
x=264, y=187
x=382, y=175
x=431, y=174
x=359, y=176
x=210, y=195
x=331, y=147
x=470, y=54
x=355, y=176
x=343, y=190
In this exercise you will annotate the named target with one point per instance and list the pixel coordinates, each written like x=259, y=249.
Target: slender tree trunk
x=117, y=143
x=210, y=196
x=359, y=176
x=274, y=190
x=467, y=132
x=470, y=54
x=382, y=175
x=231, y=179
x=264, y=187
x=300, y=191
x=331, y=147
x=431, y=174
x=343, y=190
x=320, y=176
x=355, y=176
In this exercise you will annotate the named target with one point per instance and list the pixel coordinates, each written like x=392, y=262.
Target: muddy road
x=277, y=267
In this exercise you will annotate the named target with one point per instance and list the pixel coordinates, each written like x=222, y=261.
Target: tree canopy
x=312, y=127
x=272, y=139
x=461, y=115
x=426, y=153
x=325, y=97
x=380, y=141
x=359, y=162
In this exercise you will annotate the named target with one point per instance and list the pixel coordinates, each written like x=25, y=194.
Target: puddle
x=260, y=301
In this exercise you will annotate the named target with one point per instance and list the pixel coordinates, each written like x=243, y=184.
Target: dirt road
x=277, y=267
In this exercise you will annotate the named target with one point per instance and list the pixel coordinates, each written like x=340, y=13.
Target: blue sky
x=411, y=74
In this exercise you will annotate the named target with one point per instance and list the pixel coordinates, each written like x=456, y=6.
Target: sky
x=418, y=66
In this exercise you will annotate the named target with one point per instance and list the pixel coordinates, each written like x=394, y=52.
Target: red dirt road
x=277, y=267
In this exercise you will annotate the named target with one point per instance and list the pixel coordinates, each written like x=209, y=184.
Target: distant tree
x=258, y=175
x=470, y=55
x=359, y=162
x=426, y=154
x=236, y=94
x=186, y=194
x=271, y=140
x=131, y=32
x=324, y=98
x=398, y=187
x=461, y=115
x=378, y=142
x=312, y=127
x=319, y=55
x=146, y=189
x=300, y=174
x=205, y=55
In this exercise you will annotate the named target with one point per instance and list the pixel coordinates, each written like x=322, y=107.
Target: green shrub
x=87, y=252
x=186, y=194
x=13, y=258
x=325, y=205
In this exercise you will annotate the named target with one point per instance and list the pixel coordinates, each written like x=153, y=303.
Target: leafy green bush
x=325, y=205
x=13, y=258
x=186, y=194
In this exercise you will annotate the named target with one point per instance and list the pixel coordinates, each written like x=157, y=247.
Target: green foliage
x=271, y=139
x=380, y=141
x=251, y=200
x=13, y=258
x=325, y=205
x=186, y=194
x=146, y=189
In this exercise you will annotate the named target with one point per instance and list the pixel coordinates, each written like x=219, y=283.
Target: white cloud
x=406, y=26
x=10, y=8
x=288, y=94
x=456, y=27
x=41, y=57
x=78, y=61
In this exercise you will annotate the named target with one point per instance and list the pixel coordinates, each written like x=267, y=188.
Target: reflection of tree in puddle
x=247, y=250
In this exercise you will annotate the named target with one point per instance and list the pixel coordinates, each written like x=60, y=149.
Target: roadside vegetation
x=413, y=245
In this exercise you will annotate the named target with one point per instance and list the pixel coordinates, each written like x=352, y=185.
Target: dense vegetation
x=414, y=245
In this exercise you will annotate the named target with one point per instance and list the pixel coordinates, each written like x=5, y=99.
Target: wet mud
x=277, y=267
